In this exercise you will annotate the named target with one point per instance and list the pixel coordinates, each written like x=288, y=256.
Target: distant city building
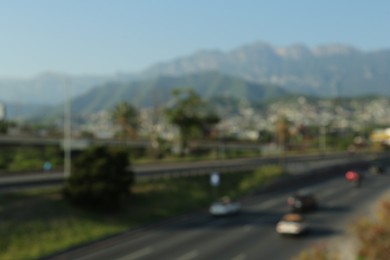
x=2, y=111
x=381, y=136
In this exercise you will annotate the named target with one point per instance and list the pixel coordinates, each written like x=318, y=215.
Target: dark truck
x=302, y=201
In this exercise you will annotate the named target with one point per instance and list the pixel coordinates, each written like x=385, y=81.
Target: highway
x=249, y=235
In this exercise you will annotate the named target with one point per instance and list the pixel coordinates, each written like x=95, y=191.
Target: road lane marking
x=327, y=193
x=239, y=257
x=138, y=254
x=270, y=203
x=189, y=256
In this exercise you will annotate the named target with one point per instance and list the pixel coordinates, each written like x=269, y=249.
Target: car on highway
x=224, y=207
x=302, y=201
x=354, y=177
x=292, y=224
x=377, y=168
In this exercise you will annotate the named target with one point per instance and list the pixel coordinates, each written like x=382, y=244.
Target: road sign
x=214, y=179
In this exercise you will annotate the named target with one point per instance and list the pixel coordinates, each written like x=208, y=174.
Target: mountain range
x=329, y=70
x=255, y=72
x=48, y=88
x=156, y=92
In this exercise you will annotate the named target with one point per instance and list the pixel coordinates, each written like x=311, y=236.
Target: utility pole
x=67, y=131
x=337, y=108
x=322, y=132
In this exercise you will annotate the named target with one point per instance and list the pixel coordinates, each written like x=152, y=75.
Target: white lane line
x=270, y=203
x=239, y=257
x=326, y=193
x=189, y=256
x=138, y=254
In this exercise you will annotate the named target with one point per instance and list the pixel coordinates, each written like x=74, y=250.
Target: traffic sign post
x=215, y=181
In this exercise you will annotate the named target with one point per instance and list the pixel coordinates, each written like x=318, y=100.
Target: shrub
x=319, y=251
x=99, y=179
x=373, y=235
x=26, y=159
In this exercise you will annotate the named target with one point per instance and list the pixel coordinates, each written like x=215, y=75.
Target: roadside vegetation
x=373, y=234
x=38, y=223
x=100, y=179
x=19, y=159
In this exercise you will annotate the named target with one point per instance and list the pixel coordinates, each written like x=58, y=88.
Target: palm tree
x=282, y=132
x=191, y=114
x=127, y=117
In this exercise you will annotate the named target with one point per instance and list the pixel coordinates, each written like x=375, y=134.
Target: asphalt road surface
x=249, y=235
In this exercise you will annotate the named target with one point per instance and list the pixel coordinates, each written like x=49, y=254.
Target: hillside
x=157, y=91
x=48, y=88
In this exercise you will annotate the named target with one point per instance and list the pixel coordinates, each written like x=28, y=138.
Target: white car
x=225, y=207
x=292, y=224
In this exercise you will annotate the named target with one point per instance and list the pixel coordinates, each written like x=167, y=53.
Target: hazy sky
x=110, y=36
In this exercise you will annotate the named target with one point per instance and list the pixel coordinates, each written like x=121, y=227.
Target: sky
x=123, y=36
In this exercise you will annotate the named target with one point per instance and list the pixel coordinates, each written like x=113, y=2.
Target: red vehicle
x=354, y=177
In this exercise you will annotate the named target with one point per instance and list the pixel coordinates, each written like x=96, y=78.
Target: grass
x=35, y=223
x=38, y=223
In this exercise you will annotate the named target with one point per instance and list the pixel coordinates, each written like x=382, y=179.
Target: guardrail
x=202, y=168
x=166, y=171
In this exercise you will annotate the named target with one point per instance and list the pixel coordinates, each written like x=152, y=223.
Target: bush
x=373, y=235
x=26, y=159
x=99, y=179
x=318, y=251
x=29, y=158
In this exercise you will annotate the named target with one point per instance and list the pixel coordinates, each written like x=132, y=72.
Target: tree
x=100, y=179
x=127, y=117
x=191, y=114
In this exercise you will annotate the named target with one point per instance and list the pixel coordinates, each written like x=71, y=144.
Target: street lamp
x=67, y=130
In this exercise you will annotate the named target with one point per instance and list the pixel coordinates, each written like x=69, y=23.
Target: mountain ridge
x=156, y=92
x=314, y=71
x=325, y=70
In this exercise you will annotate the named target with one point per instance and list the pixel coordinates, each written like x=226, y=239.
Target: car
x=302, y=201
x=354, y=177
x=292, y=224
x=225, y=206
x=377, y=168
